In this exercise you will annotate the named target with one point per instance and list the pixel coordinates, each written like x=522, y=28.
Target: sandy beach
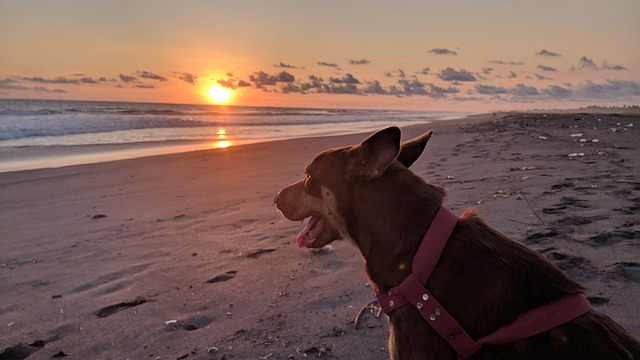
x=184, y=256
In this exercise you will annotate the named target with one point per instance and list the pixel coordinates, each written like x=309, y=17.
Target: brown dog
x=366, y=194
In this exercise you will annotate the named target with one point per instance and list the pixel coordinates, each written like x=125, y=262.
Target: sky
x=456, y=55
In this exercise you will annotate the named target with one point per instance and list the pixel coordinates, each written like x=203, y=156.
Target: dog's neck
x=389, y=238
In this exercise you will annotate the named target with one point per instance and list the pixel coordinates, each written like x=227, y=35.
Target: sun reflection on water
x=223, y=141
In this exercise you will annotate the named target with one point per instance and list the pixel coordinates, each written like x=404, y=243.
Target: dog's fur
x=366, y=194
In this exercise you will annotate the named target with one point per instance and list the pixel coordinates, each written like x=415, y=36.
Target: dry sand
x=184, y=256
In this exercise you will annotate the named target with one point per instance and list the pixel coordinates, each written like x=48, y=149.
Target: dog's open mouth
x=315, y=226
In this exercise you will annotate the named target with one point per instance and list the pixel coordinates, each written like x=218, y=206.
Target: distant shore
x=183, y=256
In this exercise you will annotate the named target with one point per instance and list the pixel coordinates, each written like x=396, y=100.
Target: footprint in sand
x=628, y=210
x=568, y=262
x=112, y=309
x=23, y=351
x=575, y=202
x=564, y=204
x=607, y=238
x=629, y=270
x=555, y=209
x=191, y=324
x=222, y=277
x=562, y=185
x=540, y=236
x=580, y=220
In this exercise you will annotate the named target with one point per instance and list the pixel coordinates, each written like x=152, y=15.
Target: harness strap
x=412, y=290
x=540, y=319
x=425, y=260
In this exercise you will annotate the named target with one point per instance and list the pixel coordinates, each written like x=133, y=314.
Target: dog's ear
x=411, y=150
x=377, y=152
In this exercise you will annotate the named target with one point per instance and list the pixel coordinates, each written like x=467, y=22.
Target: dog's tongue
x=310, y=231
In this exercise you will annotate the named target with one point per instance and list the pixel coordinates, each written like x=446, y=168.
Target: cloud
x=546, y=68
x=490, y=90
x=586, y=63
x=145, y=86
x=396, y=73
x=413, y=87
x=441, y=51
x=58, y=80
x=127, y=78
x=512, y=75
x=88, y=80
x=188, y=78
x=359, y=62
x=322, y=63
x=233, y=82
x=228, y=83
x=501, y=62
x=424, y=71
x=374, y=87
x=408, y=87
x=348, y=84
x=314, y=85
x=347, y=79
x=607, y=66
x=344, y=89
x=62, y=80
x=291, y=88
x=261, y=79
x=450, y=74
x=151, y=76
x=10, y=84
x=47, y=90
x=608, y=90
x=556, y=91
x=285, y=77
x=545, y=52
x=524, y=90
x=286, y=66
x=439, y=92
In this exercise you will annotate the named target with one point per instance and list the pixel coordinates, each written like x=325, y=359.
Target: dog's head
x=325, y=194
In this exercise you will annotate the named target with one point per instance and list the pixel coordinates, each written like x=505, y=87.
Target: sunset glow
x=219, y=94
x=495, y=60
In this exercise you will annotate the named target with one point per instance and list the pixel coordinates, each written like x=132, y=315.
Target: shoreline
x=184, y=255
x=42, y=157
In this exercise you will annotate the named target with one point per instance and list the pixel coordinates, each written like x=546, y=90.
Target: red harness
x=412, y=291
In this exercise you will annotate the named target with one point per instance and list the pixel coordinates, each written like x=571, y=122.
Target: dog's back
x=366, y=193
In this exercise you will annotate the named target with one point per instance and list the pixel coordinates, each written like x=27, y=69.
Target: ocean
x=49, y=133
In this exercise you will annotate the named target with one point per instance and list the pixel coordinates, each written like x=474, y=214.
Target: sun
x=219, y=94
